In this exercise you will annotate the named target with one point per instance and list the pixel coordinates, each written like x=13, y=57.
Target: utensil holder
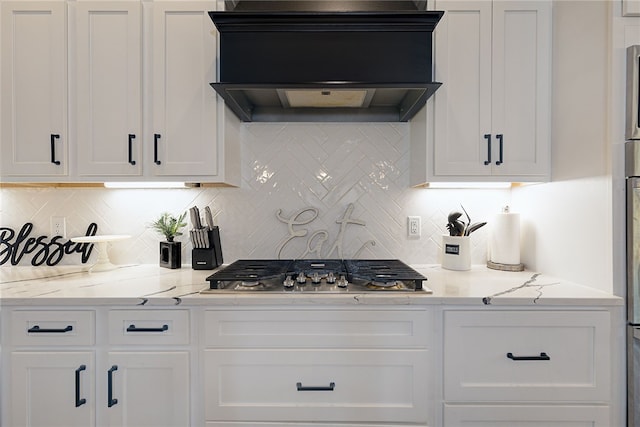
x=456, y=252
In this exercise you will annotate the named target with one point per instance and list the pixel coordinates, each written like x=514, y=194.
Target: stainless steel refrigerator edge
x=632, y=172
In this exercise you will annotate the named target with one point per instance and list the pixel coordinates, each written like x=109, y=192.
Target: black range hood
x=368, y=64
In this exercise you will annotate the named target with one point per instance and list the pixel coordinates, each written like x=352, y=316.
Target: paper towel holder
x=502, y=266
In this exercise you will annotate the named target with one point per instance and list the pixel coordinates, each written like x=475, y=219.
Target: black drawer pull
x=131, y=138
x=156, y=137
x=500, y=137
x=488, y=138
x=110, y=400
x=299, y=387
x=132, y=328
x=79, y=401
x=37, y=330
x=54, y=136
x=543, y=356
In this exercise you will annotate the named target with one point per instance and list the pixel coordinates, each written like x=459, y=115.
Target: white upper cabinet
x=108, y=73
x=33, y=121
x=184, y=104
x=141, y=105
x=490, y=120
x=145, y=104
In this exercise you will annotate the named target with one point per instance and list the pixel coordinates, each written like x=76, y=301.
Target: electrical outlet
x=413, y=226
x=58, y=226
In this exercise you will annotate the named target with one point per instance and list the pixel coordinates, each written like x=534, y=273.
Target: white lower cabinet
x=71, y=368
x=533, y=368
x=308, y=366
x=148, y=388
x=52, y=388
x=314, y=384
x=269, y=367
x=311, y=424
x=529, y=416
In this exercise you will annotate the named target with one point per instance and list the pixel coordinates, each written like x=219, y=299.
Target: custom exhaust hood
x=323, y=60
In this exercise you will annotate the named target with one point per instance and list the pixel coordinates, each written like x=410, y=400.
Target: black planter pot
x=170, y=254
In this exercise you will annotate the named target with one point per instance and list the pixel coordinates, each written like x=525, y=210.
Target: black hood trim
x=238, y=98
x=387, y=53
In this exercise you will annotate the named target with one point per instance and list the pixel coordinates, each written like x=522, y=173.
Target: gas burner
x=387, y=286
x=250, y=284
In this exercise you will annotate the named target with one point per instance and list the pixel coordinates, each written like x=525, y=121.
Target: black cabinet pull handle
x=300, y=387
x=54, y=136
x=110, y=400
x=500, y=137
x=79, y=401
x=131, y=138
x=156, y=137
x=132, y=328
x=543, y=356
x=37, y=330
x=487, y=136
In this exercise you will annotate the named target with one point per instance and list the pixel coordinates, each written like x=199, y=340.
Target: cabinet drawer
x=486, y=355
x=52, y=328
x=147, y=327
x=280, y=385
x=279, y=424
x=324, y=328
x=531, y=416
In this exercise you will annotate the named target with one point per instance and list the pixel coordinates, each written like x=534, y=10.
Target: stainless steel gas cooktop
x=326, y=275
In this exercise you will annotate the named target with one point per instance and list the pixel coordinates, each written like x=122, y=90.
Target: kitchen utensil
x=455, y=226
x=208, y=217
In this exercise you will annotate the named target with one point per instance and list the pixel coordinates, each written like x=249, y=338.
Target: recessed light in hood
x=309, y=65
x=327, y=98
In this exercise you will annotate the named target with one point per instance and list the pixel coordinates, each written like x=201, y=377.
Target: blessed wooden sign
x=15, y=245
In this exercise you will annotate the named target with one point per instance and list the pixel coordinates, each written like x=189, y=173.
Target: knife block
x=211, y=257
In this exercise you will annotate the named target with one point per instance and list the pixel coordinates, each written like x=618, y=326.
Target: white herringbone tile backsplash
x=288, y=167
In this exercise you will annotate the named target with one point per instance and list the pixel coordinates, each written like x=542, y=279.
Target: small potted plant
x=170, y=251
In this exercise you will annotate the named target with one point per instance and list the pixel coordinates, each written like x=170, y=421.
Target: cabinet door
x=108, y=92
x=184, y=128
x=148, y=389
x=521, y=88
x=52, y=389
x=463, y=102
x=529, y=416
x=34, y=101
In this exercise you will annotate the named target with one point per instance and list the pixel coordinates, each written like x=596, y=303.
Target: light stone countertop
x=156, y=286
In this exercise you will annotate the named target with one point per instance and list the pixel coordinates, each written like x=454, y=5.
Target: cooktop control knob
x=342, y=282
x=301, y=279
x=315, y=279
x=331, y=278
x=289, y=283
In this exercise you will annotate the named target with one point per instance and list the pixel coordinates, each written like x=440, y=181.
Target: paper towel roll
x=504, y=242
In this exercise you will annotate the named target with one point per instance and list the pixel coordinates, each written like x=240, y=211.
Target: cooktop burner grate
x=245, y=270
x=278, y=275
x=383, y=271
